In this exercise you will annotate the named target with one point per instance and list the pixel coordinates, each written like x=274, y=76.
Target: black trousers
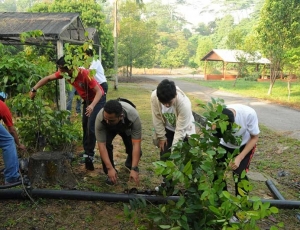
x=167, y=148
x=244, y=165
x=110, y=135
x=104, y=86
x=88, y=127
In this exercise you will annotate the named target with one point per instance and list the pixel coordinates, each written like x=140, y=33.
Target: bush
x=203, y=203
x=40, y=126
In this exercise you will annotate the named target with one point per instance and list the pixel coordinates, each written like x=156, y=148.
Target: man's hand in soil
x=134, y=176
x=112, y=174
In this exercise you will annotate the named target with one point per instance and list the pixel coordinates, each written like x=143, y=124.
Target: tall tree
x=224, y=26
x=205, y=45
x=137, y=37
x=178, y=56
x=166, y=16
x=278, y=31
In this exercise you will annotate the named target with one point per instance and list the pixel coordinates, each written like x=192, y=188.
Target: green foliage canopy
x=91, y=15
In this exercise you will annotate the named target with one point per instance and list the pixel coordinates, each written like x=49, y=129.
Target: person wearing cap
x=246, y=119
x=8, y=141
x=91, y=92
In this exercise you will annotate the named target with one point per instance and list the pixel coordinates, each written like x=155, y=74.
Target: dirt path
x=276, y=117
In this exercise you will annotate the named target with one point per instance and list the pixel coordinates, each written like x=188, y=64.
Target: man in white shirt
x=99, y=76
x=246, y=118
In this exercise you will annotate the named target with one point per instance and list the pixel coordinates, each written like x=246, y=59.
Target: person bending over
x=91, y=92
x=119, y=118
x=246, y=119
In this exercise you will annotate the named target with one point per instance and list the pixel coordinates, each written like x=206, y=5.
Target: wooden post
x=205, y=65
x=62, y=82
x=224, y=70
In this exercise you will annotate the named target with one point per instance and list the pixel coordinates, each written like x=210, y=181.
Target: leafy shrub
x=40, y=126
x=203, y=203
x=19, y=71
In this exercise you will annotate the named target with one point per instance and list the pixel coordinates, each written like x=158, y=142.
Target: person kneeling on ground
x=118, y=117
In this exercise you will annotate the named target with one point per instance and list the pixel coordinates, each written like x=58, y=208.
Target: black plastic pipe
x=82, y=195
x=10, y=185
x=114, y=197
x=283, y=204
x=274, y=190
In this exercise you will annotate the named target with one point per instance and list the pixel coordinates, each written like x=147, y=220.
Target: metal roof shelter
x=57, y=28
x=234, y=56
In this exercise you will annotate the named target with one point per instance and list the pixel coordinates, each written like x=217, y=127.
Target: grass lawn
x=256, y=89
x=274, y=153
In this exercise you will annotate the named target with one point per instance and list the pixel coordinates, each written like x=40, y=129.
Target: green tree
x=278, y=31
x=224, y=26
x=178, y=56
x=91, y=15
x=19, y=69
x=165, y=15
x=137, y=37
x=235, y=39
x=205, y=45
x=204, y=29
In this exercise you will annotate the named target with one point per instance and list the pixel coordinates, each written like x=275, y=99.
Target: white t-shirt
x=99, y=76
x=170, y=117
x=246, y=118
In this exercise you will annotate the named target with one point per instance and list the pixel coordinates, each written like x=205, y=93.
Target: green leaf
x=160, y=163
x=226, y=194
x=180, y=202
x=176, y=228
x=188, y=168
x=281, y=224
x=211, y=152
x=175, y=156
x=274, y=209
x=215, y=210
x=165, y=226
x=163, y=209
x=241, y=191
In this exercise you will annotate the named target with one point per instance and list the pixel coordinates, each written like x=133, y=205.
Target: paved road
x=278, y=118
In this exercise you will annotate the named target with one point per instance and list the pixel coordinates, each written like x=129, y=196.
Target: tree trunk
x=51, y=168
x=289, y=89
x=130, y=70
x=275, y=67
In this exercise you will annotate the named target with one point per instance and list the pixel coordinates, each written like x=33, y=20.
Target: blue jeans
x=10, y=157
x=71, y=95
